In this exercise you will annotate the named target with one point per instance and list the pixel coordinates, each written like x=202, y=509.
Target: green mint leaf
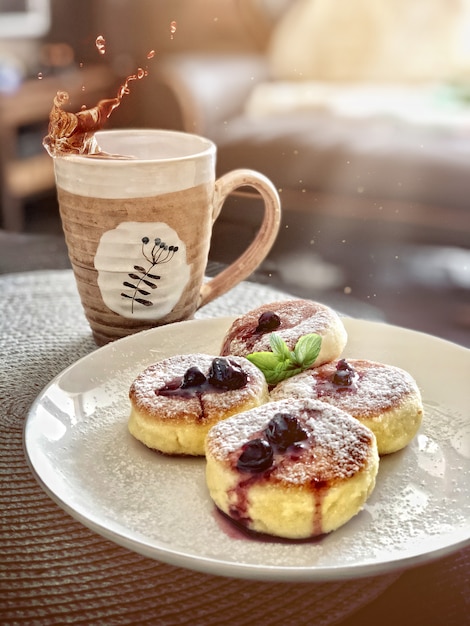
x=270, y=364
x=307, y=350
x=283, y=363
x=264, y=360
x=279, y=347
x=281, y=374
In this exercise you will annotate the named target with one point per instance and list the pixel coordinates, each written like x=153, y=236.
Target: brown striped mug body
x=137, y=218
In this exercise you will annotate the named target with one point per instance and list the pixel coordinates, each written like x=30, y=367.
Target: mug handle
x=259, y=248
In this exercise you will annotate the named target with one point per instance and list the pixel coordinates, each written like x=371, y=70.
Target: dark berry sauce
x=283, y=440
x=267, y=322
x=223, y=375
x=256, y=456
x=193, y=377
x=249, y=334
x=345, y=379
x=284, y=430
x=345, y=374
x=175, y=388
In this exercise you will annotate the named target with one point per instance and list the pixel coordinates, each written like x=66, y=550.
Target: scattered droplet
x=151, y=54
x=101, y=44
x=40, y=76
x=172, y=28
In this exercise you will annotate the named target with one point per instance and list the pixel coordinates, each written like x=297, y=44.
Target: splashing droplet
x=40, y=76
x=151, y=54
x=101, y=44
x=172, y=28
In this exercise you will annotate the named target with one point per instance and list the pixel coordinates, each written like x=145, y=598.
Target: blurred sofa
x=383, y=151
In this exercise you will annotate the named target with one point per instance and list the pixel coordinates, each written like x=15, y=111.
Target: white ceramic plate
x=79, y=448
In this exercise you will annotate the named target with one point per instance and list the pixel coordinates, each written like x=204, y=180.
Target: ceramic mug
x=137, y=217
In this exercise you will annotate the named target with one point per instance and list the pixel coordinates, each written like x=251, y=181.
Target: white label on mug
x=142, y=269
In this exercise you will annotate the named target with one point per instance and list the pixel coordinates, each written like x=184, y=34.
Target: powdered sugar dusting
x=143, y=389
x=298, y=318
x=337, y=446
x=377, y=387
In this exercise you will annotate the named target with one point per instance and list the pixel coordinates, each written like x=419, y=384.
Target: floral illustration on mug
x=143, y=269
x=145, y=279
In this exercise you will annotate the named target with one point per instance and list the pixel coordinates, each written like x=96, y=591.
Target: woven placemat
x=53, y=570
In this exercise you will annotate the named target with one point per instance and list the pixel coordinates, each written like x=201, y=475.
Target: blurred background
x=358, y=113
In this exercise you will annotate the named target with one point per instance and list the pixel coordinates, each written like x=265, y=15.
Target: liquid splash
x=73, y=133
x=172, y=29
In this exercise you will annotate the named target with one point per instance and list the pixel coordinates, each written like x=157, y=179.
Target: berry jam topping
x=193, y=377
x=223, y=375
x=267, y=322
x=226, y=375
x=283, y=430
x=256, y=456
x=344, y=375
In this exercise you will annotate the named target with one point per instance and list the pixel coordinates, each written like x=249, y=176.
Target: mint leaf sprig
x=283, y=363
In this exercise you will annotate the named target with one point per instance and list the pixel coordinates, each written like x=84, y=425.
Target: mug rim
x=208, y=147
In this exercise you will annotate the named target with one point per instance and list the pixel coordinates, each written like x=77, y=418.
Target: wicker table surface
x=53, y=570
